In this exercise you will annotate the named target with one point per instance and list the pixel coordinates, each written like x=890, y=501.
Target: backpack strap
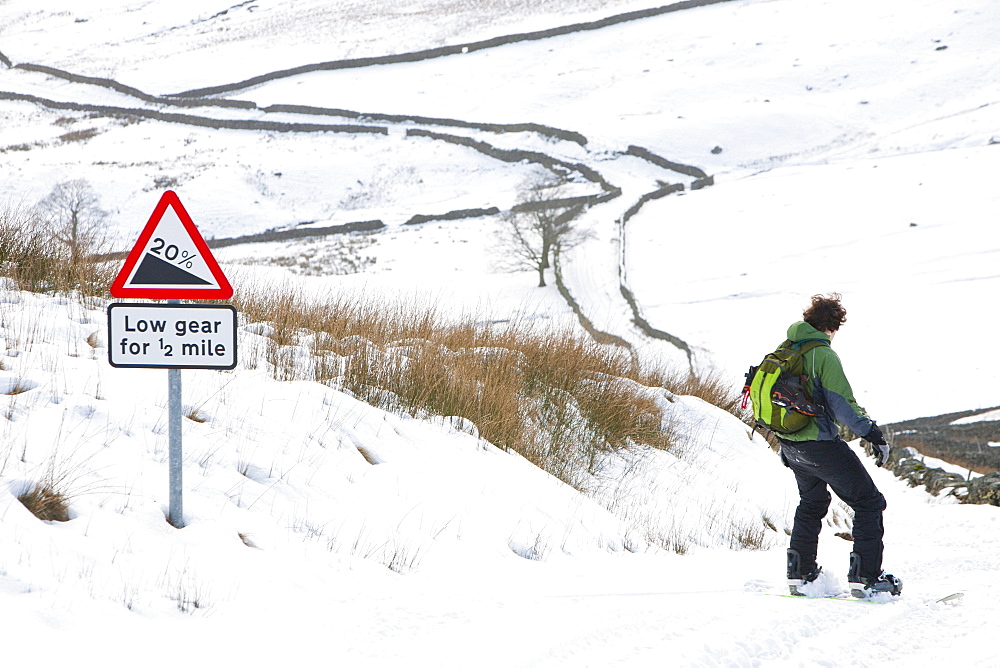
x=805, y=345
x=809, y=344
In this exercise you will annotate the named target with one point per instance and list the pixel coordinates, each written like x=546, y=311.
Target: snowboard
x=846, y=596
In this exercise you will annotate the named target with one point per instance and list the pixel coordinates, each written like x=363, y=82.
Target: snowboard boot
x=796, y=576
x=866, y=587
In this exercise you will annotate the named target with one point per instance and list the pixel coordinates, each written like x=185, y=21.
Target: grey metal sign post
x=176, y=452
x=172, y=336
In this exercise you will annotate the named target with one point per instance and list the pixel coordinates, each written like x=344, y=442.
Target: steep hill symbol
x=154, y=271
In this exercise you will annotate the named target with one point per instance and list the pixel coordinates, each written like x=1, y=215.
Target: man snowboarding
x=821, y=460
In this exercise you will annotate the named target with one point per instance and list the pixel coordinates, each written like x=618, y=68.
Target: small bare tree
x=72, y=213
x=542, y=224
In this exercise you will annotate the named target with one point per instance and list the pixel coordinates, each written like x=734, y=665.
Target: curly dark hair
x=826, y=312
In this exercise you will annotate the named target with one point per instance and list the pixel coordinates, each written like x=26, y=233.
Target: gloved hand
x=879, y=448
x=874, y=435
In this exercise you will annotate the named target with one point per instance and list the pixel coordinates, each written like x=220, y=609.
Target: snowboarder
x=821, y=459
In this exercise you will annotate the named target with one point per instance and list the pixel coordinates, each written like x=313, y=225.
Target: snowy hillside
x=775, y=100
x=849, y=147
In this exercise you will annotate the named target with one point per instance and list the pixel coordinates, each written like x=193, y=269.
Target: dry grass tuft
x=20, y=386
x=46, y=503
x=79, y=135
x=710, y=386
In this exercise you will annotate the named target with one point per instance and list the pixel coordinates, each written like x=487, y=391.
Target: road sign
x=171, y=259
x=172, y=336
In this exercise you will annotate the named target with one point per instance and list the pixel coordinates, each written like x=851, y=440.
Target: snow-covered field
x=851, y=145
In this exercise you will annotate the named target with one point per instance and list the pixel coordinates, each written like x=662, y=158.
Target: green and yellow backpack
x=777, y=388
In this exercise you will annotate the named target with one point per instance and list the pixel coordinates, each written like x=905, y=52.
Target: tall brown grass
x=32, y=257
x=560, y=400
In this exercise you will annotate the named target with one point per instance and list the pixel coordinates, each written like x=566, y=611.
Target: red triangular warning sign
x=171, y=259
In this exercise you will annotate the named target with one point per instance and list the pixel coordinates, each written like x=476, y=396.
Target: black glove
x=879, y=448
x=874, y=435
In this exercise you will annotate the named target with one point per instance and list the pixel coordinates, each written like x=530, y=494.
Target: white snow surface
x=854, y=141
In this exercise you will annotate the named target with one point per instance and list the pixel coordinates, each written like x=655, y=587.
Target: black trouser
x=817, y=464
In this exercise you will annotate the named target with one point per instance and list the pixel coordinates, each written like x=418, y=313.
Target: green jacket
x=828, y=384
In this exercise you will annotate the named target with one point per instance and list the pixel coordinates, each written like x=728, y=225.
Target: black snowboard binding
x=866, y=587
x=796, y=577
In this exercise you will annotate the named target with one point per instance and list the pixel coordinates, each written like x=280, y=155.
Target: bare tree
x=72, y=213
x=542, y=224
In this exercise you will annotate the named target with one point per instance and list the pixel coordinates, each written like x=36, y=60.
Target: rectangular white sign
x=172, y=336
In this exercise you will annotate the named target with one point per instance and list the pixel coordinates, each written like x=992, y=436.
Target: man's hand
x=879, y=448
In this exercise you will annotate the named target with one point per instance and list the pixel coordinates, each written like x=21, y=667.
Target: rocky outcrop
x=984, y=489
x=909, y=465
